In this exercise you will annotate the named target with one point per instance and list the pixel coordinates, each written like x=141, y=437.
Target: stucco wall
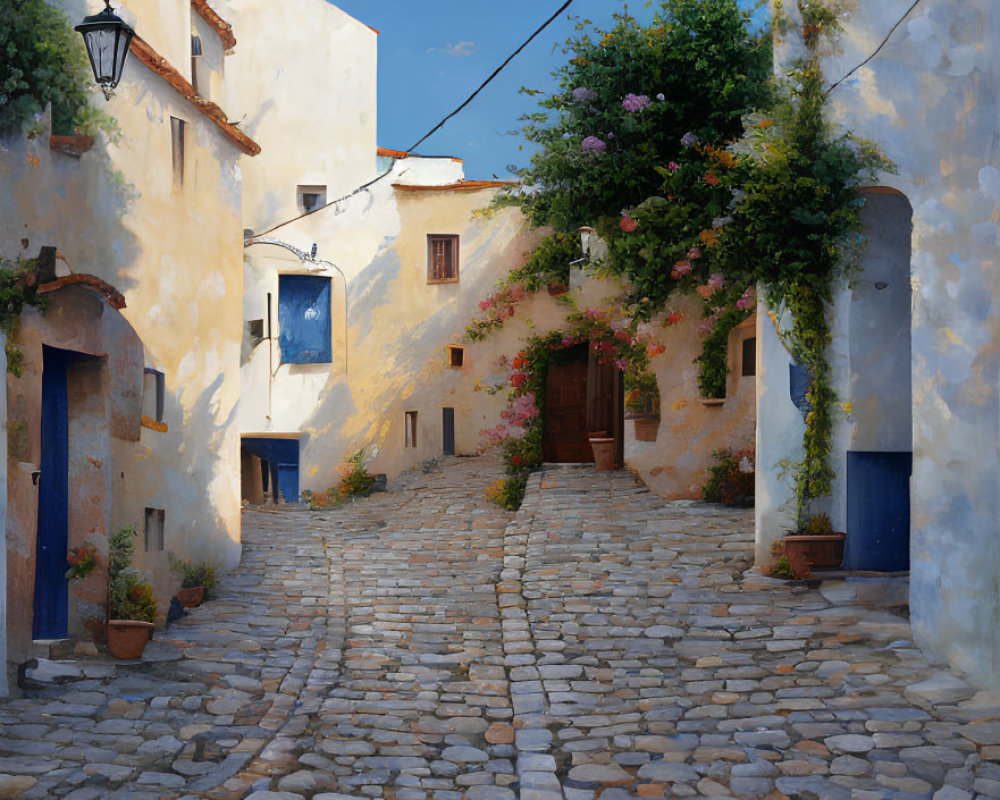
x=302, y=82
x=929, y=99
x=391, y=355
x=175, y=252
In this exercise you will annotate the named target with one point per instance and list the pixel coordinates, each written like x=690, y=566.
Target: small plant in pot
x=197, y=581
x=814, y=545
x=131, y=605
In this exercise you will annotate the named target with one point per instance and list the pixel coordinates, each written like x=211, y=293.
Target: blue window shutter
x=304, y=319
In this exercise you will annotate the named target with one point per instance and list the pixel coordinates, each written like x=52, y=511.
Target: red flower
x=627, y=224
x=710, y=179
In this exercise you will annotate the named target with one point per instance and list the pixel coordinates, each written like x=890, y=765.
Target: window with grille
x=442, y=258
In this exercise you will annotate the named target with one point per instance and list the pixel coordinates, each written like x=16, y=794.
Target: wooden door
x=565, y=435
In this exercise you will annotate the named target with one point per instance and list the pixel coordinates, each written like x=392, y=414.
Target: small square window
x=255, y=328
x=749, y=362
x=154, y=530
x=411, y=429
x=311, y=197
x=456, y=356
x=442, y=258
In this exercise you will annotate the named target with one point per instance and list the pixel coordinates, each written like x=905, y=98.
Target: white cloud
x=461, y=49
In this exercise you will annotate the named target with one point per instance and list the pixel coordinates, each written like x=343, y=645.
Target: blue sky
x=434, y=53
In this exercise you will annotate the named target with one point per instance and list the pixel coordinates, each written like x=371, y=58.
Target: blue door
x=51, y=588
x=878, y=511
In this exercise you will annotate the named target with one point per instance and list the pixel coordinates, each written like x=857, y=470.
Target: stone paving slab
x=426, y=645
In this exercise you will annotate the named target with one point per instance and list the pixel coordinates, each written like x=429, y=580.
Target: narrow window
x=442, y=258
x=311, y=197
x=304, y=327
x=411, y=429
x=197, y=51
x=255, y=328
x=153, y=390
x=749, y=365
x=456, y=356
x=177, y=132
x=154, y=530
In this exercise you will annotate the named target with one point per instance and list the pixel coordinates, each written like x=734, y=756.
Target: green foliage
x=642, y=393
x=43, y=61
x=18, y=288
x=356, y=482
x=130, y=591
x=695, y=69
x=194, y=574
x=727, y=483
x=782, y=569
x=507, y=493
x=548, y=263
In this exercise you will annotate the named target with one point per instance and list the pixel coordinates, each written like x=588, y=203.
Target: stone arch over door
x=95, y=360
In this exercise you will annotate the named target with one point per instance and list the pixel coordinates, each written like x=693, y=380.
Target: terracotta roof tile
x=158, y=64
x=219, y=25
x=115, y=298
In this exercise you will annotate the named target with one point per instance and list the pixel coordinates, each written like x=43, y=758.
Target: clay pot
x=646, y=428
x=127, y=637
x=604, y=453
x=191, y=597
x=824, y=551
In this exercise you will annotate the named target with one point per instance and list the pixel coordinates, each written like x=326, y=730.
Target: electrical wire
x=888, y=36
x=496, y=72
x=433, y=130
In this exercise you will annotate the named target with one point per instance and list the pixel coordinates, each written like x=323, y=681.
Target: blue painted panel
x=878, y=511
x=282, y=456
x=304, y=319
x=51, y=599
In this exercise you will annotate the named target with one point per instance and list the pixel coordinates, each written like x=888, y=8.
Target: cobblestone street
x=425, y=644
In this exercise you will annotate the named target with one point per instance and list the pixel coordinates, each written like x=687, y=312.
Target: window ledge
x=713, y=401
x=153, y=425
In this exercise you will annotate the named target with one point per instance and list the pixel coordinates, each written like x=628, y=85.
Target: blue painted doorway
x=51, y=605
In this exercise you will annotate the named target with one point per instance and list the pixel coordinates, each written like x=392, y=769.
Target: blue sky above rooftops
x=434, y=53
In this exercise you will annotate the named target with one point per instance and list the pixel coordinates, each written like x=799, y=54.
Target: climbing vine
x=18, y=288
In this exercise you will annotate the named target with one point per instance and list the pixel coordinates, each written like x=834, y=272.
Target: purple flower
x=583, y=95
x=716, y=281
x=634, y=103
x=689, y=139
x=593, y=145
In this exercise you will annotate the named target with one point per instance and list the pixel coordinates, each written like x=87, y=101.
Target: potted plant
x=814, y=544
x=642, y=405
x=131, y=605
x=197, y=580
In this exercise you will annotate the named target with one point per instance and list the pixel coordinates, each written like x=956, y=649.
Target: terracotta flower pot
x=824, y=551
x=557, y=289
x=191, y=597
x=646, y=428
x=604, y=453
x=127, y=637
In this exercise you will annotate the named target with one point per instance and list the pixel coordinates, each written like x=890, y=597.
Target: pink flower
x=681, y=268
x=747, y=300
x=621, y=363
x=634, y=103
x=673, y=165
x=694, y=252
x=716, y=281
x=593, y=145
x=627, y=224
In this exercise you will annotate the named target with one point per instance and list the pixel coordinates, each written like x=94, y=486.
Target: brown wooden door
x=565, y=434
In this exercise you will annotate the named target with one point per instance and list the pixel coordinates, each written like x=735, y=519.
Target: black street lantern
x=107, y=37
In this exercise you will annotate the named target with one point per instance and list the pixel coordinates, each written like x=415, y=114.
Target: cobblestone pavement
x=425, y=645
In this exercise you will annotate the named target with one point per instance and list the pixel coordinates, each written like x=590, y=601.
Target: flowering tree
x=627, y=97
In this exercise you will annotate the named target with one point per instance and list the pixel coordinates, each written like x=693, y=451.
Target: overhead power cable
x=496, y=72
x=882, y=44
x=436, y=128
